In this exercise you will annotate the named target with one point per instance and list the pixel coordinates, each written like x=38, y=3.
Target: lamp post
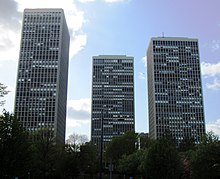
x=138, y=141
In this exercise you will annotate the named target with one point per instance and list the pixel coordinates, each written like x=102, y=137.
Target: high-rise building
x=41, y=91
x=175, y=100
x=112, y=98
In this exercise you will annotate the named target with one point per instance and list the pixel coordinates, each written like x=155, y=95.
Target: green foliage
x=14, y=147
x=43, y=153
x=185, y=158
x=162, y=160
x=41, y=157
x=205, y=162
x=210, y=138
x=50, y=160
x=88, y=158
x=122, y=145
x=71, y=162
x=186, y=144
x=130, y=164
x=145, y=142
x=82, y=161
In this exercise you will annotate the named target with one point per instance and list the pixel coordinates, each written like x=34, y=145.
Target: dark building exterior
x=175, y=99
x=41, y=91
x=112, y=97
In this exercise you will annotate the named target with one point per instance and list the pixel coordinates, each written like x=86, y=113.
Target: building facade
x=112, y=98
x=41, y=91
x=175, y=99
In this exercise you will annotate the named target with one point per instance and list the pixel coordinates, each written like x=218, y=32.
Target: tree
x=205, y=162
x=162, y=160
x=71, y=162
x=186, y=144
x=88, y=158
x=76, y=140
x=44, y=153
x=130, y=164
x=3, y=92
x=145, y=141
x=186, y=150
x=122, y=145
x=14, y=147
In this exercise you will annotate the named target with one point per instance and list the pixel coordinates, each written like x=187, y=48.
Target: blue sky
x=121, y=27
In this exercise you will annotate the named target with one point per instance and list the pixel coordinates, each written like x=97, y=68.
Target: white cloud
x=141, y=76
x=9, y=15
x=144, y=60
x=77, y=44
x=9, y=30
x=9, y=44
x=68, y=4
x=78, y=116
x=76, y=123
x=78, y=127
x=215, y=85
x=115, y=1
x=209, y=69
x=10, y=37
x=74, y=16
x=80, y=104
x=214, y=126
x=107, y=1
x=85, y=1
x=79, y=110
x=215, y=45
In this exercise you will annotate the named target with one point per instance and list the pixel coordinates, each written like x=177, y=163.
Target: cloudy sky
x=121, y=27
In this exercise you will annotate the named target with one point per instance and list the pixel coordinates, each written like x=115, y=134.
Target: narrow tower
x=112, y=98
x=42, y=77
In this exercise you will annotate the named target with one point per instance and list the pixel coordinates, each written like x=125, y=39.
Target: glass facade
x=112, y=97
x=41, y=90
x=175, y=99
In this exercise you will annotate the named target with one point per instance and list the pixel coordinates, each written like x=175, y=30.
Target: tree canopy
x=205, y=162
x=121, y=145
x=162, y=160
x=14, y=147
x=36, y=155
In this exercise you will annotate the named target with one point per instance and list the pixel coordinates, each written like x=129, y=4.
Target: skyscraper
x=112, y=97
x=175, y=99
x=41, y=91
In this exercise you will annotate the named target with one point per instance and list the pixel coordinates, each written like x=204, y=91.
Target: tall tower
x=42, y=77
x=175, y=100
x=112, y=97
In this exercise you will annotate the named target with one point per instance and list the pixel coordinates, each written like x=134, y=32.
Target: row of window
x=177, y=43
x=110, y=61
